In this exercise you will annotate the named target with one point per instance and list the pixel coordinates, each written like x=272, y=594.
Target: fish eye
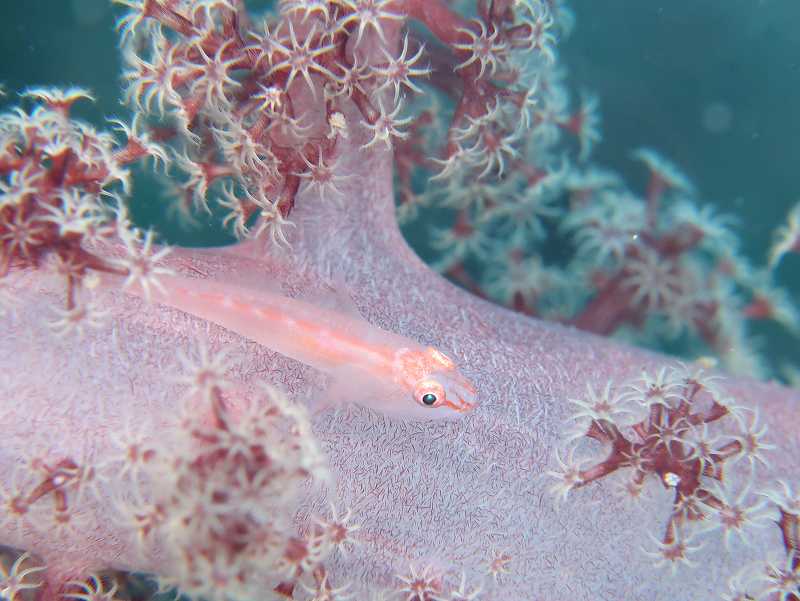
x=429, y=399
x=429, y=393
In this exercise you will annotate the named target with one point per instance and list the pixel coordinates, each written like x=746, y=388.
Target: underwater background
x=714, y=87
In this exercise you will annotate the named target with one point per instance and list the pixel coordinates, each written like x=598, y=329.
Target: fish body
x=371, y=366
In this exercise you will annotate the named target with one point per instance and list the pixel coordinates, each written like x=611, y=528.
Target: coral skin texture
x=448, y=494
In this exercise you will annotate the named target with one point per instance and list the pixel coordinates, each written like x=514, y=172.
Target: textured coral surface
x=433, y=498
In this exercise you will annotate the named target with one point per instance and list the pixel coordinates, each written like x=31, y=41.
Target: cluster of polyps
x=255, y=110
x=662, y=427
x=62, y=186
x=778, y=576
x=221, y=494
x=248, y=112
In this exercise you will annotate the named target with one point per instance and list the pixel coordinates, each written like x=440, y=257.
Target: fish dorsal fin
x=328, y=291
x=332, y=296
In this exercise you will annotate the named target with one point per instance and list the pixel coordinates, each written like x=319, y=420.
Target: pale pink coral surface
x=448, y=495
